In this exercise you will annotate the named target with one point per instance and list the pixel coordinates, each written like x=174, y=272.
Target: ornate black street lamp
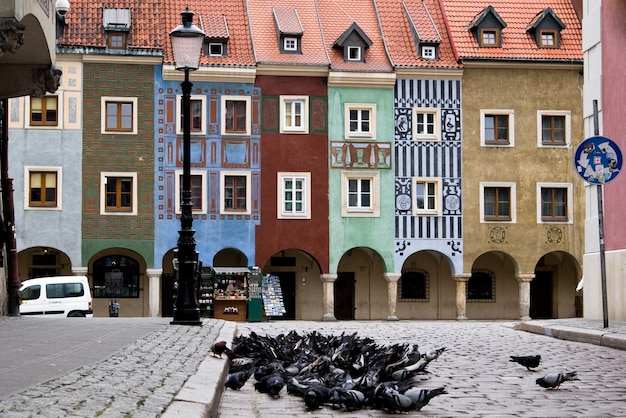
x=187, y=41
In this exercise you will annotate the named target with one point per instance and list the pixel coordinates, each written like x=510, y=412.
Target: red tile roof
x=266, y=37
x=337, y=16
x=428, y=21
x=517, y=43
x=209, y=16
x=85, y=24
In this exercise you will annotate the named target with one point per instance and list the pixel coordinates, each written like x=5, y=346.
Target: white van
x=56, y=296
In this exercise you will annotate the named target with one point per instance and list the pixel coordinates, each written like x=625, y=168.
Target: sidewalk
x=582, y=330
x=157, y=369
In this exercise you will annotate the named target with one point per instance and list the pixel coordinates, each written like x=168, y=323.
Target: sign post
x=598, y=160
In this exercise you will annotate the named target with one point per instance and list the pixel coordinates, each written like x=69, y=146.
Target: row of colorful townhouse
x=386, y=159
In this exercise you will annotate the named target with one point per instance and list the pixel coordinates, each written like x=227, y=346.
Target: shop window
x=119, y=194
x=119, y=115
x=44, y=111
x=413, y=286
x=294, y=195
x=481, y=287
x=115, y=276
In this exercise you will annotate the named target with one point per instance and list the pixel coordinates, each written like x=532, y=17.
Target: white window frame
x=103, y=179
x=178, y=189
x=428, y=52
x=179, y=123
x=248, y=101
x=213, y=45
x=568, y=127
x=290, y=43
x=248, y=176
x=513, y=203
x=357, y=57
x=103, y=114
x=59, y=172
x=570, y=202
x=371, y=107
x=304, y=100
x=434, y=211
x=436, y=125
x=371, y=212
x=280, y=186
x=510, y=113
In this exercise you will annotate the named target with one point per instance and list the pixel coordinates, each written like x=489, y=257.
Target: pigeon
x=219, y=347
x=421, y=397
x=271, y=384
x=554, y=380
x=530, y=362
x=433, y=354
x=236, y=380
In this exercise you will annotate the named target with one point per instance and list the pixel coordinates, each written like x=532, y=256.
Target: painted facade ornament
x=497, y=235
x=554, y=235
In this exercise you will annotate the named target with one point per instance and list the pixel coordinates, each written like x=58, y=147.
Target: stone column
x=524, y=280
x=328, y=283
x=461, y=292
x=154, y=291
x=392, y=294
x=80, y=271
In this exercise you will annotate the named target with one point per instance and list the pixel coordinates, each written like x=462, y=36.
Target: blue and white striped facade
x=437, y=159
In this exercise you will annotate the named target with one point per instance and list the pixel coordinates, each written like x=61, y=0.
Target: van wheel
x=75, y=315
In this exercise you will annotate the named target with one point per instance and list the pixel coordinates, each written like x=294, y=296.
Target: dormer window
x=289, y=30
x=546, y=28
x=216, y=49
x=487, y=27
x=353, y=42
x=217, y=35
x=488, y=37
x=428, y=52
x=116, y=40
x=290, y=44
x=354, y=53
x=116, y=23
x=548, y=39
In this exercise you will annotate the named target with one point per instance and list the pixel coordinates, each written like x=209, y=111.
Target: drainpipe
x=8, y=233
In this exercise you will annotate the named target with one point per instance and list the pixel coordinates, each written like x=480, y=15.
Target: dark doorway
x=541, y=295
x=288, y=288
x=167, y=295
x=344, y=296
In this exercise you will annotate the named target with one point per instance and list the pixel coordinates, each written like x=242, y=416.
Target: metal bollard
x=114, y=309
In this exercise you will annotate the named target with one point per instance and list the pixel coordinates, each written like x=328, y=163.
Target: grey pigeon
x=530, y=362
x=554, y=380
x=421, y=397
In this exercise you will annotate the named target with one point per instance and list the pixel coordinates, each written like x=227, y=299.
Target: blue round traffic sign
x=598, y=160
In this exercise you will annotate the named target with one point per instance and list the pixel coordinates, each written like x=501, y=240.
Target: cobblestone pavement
x=138, y=380
x=475, y=368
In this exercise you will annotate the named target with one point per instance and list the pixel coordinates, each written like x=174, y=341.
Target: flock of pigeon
x=343, y=372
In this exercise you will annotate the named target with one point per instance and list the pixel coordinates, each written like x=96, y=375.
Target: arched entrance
x=553, y=290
